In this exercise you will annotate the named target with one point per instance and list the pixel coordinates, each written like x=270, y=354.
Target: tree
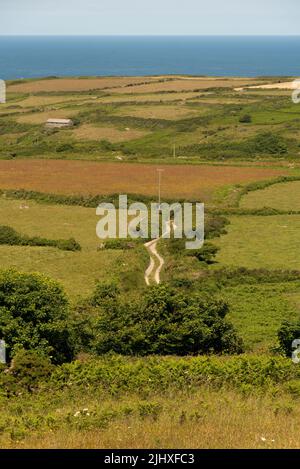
x=33, y=316
x=165, y=322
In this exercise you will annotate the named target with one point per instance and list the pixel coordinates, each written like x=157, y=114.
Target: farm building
x=59, y=123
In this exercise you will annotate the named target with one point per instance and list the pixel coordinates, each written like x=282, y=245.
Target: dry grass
x=91, y=132
x=187, y=84
x=209, y=419
x=161, y=112
x=149, y=97
x=80, y=177
x=76, y=84
x=34, y=101
x=42, y=117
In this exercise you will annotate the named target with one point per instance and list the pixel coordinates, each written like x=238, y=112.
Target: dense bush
x=11, y=237
x=206, y=254
x=241, y=275
x=26, y=372
x=215, y=226
x=245, y=119
x=117, y=374
x=164, y=323
x=64, y=147
x=269, y=143
x=34, y=316
x=288, y=332
x=119, y=244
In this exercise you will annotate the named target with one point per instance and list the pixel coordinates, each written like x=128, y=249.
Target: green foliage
x=245, y=119
x=119, y=244
x=79, y=200
x=104, y=292
x=34, y=316
x=27, y=370
x=164, y=322
x=206, y=254
x=64, y=147
x=268, y=143
x=288, y=332
x=11, y=237
x=215, y=226
x=241, y=275
x=259, y=185
x=117, y=374
x=106, y=145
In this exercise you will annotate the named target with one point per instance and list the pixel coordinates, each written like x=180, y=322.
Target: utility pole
x=160, y=171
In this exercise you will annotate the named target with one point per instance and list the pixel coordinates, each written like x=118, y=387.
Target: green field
x=271, y=242
x=77, y=271
x=280, y=196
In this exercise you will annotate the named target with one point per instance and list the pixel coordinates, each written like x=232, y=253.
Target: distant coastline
x=244, y=56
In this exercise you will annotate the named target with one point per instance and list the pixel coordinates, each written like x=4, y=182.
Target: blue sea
x=33, y=56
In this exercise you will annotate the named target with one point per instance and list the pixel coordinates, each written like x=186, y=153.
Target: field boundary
x=260, y=185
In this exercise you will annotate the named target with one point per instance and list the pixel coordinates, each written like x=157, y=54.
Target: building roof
x=59, y=121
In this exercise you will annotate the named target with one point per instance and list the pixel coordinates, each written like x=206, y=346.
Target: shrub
x=64, y=147
x=288, y=332
x=33, y=316
x=164, y=322
x=206, y=254
x=246, y=119
x=106, y=145
x=269, y=143
x=27, y=370
x=11, y=237
x=119, y=244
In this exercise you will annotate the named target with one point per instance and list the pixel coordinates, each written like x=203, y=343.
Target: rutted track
x=156, y=260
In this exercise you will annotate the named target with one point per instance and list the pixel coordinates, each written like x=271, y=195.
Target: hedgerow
x=11, y=237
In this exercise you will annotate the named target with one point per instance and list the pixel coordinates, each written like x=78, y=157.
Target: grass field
x=208, y=419
x=261, y=242
x=75, y=84
x=280, y=196
x=118, y=83
x=77, y=271
x=90, y=132
x=78, y=177
x=42, y=117
x=257, y=312
x=185, y=84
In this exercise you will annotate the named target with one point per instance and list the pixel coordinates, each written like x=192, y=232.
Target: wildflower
x=77, y=413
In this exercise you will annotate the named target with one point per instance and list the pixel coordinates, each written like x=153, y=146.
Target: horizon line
x=150, y=35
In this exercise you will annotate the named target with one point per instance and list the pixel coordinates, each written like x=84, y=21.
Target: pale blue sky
x=153, y=17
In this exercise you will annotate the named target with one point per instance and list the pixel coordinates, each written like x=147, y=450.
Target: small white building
x=59, y=123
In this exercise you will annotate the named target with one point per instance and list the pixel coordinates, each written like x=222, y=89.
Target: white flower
x=263, y=438
x=77, y=413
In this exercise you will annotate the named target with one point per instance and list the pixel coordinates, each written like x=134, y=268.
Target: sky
x=151, y=17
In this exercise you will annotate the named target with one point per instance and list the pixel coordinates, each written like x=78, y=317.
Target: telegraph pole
x=160, y=171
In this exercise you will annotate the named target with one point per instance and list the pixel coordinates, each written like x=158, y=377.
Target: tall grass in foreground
x=165, y=402
x=206, y=419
